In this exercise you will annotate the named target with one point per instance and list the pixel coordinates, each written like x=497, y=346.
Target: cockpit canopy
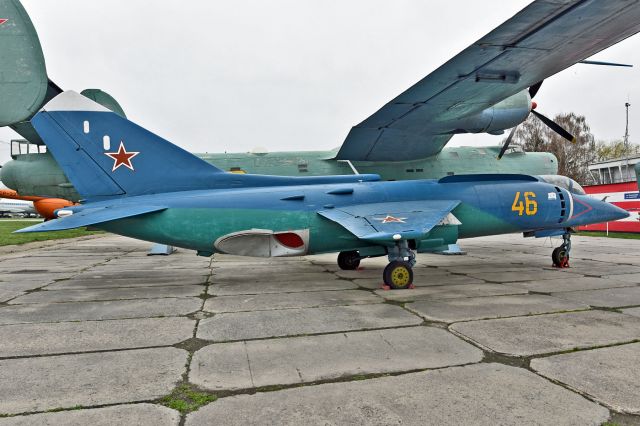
x=564, y=182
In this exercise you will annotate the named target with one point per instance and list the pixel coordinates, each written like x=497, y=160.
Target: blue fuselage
x=196, y=219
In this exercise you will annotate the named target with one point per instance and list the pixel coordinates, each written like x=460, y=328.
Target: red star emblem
x=122, y=157
x=3, y=20
x=391, y=219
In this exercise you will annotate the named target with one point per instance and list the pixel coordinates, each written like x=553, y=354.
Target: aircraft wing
x=541, y=40
x=91, y=216
x=379, y=222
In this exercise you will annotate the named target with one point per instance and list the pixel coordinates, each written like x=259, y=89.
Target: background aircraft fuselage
x=40, y=175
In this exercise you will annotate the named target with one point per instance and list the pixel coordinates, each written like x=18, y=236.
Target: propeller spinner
x=533, y=91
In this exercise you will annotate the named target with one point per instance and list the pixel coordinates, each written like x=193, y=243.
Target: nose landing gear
x=560, y=255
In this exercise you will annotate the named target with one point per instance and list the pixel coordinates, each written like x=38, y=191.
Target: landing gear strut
x=349, y=260
x=560, y=255
x=398, y=274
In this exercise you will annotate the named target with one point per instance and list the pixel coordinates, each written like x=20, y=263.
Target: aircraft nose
x=614, y=212
x=589, y=210
x=606, y=212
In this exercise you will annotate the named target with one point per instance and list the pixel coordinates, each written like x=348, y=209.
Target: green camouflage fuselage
x=39, y=174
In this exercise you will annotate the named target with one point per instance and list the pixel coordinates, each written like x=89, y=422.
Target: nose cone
x=589, y=211
x=615, y=212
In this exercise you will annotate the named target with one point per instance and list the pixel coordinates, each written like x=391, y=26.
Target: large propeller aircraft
x=137, y=184
x=25, y=88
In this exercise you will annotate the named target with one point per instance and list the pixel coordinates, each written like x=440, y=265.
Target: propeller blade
x=533, y=90
x=555, y=127
x=507, y=142
x=606, y=64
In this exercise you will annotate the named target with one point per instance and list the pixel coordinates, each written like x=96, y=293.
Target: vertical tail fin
x=106, y=155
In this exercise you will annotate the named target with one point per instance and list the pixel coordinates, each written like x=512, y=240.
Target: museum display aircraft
x=137, y=184
x=134, y=183
x=43, y=206
x=12, y=207
x=37, y=174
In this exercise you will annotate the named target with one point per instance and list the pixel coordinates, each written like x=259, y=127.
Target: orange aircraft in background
x=44, y=206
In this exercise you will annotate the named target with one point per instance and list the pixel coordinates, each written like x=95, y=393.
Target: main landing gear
x=398, y=274
x=349, y=260
x=560, y=255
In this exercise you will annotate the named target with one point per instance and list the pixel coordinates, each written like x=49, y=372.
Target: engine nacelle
x=503, y=115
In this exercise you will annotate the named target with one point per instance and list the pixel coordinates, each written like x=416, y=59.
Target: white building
x=614, y=171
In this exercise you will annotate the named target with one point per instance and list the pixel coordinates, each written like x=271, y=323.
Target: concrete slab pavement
x=246, y=365
x=485, y=394
x=295, y=322
x=273, y=301
x=291, y=322
x=130, y=414
x=88, y=336
x=63, y=381
x=476, y=308
x=542, y=334
x=608, y=375
x=606, y=298
x=102, y=294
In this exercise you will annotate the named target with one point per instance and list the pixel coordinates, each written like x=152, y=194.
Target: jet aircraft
x=43, y=206
x=9, y=207
x=137, y=184
x=201, y=207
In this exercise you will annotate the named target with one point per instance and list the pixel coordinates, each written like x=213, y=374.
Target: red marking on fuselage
x=587, y=210
x=2, y=21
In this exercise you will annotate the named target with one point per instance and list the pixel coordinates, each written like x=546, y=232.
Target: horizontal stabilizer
x=91, y=216
x=380, y=222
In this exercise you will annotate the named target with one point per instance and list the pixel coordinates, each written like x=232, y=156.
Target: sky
x=221, y=76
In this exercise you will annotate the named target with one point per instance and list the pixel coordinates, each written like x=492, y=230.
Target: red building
x=624, y=195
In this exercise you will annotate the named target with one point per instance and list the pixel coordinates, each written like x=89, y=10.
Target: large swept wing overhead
x=541, y=40
x=380, y=222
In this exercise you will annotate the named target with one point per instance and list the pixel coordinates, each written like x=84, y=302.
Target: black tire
x=398, y=275
x=559, y=257
x=349, y=260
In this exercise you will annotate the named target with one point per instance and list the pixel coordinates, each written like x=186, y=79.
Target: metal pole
x=626, y=147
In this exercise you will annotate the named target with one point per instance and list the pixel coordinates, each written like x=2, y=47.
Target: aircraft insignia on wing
x=391, y=219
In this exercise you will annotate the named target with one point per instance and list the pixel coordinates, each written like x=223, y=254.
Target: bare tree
x=573, y=158
x=615, y=150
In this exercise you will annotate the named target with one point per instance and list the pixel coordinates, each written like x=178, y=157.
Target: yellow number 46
x=529, y=206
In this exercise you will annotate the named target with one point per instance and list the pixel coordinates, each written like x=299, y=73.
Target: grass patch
x=185, y=399
x=623, y=235
x=8, y=226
